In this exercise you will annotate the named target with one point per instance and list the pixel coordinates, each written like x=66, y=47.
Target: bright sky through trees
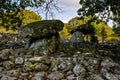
x=69, y=10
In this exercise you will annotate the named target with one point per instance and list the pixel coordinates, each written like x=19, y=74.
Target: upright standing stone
x=77, y=37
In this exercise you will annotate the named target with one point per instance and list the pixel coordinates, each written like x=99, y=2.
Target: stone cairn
x=42, y=36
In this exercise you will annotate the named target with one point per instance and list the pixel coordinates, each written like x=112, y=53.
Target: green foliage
x=99, y=26
x=28, y=16
x=64, y=33
x=25, y=17
x=9, y=10
x=105, y=9
x=96, y=23
x=103, y=34
x=117, y=30
x=10, y=20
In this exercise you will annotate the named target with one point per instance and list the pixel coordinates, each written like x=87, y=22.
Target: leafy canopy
x=27, y=17
x=9, y=10
x=102, y=7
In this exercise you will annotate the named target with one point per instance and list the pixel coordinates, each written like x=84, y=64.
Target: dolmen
x=42, y=35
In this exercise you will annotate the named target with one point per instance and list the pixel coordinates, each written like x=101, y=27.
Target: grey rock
x=44, y=46
x=55, y=76
x=4, y=54
x=71, y=77
x=118, y=76
x=79, y=78
x=39, y=76
x=108, y=75
x=15, y=73
x=19, y=60
x=77, y=37
x=4, y=77
x=8, y=78
x=107, y=64
x=79, y=70
x=97, y=77
x=1, y=69
x=37, y=44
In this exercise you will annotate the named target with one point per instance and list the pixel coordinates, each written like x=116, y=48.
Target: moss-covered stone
x=41, y=29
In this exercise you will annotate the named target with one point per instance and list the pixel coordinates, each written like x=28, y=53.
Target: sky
x=69, y=10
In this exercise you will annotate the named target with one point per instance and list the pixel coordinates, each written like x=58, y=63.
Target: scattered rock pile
x=68, y=62
x=21, y=64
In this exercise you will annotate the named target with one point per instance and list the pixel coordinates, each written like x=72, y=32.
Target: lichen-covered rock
x=110, y=69
x=40, y=67
x=55, y=76
x=4, y=54
x=35, y=59
x=28, y=66
x=96, y=77
x=51, y=45
x=61, y=64
x=8, y=64
x=41, y=29
x=15, y=73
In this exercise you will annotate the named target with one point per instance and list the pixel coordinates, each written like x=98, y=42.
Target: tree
x=64, y=33
x=9, y=10
x=87, y=30
x=103, y=34
x=27, y=17
x=104, y=9
x=116, y=30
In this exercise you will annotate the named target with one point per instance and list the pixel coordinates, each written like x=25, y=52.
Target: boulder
x=77, y=37
x=41, y=29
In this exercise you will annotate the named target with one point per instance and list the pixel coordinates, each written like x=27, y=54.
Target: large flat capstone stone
x=41, y=29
